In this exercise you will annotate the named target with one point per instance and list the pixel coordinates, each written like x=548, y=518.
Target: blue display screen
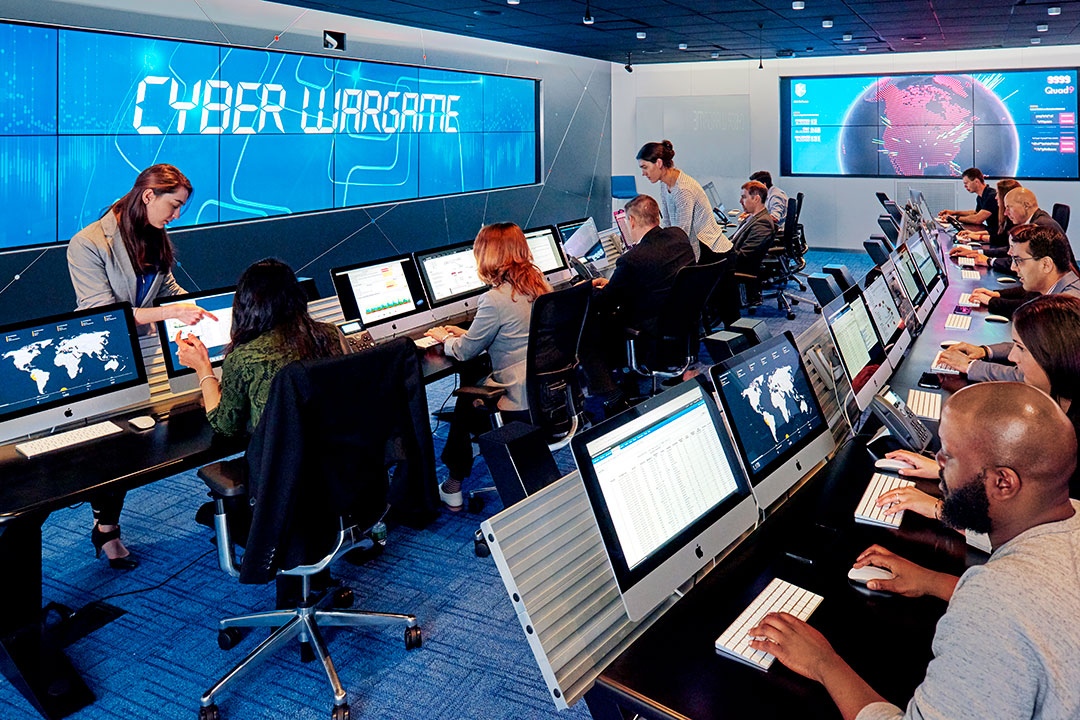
x=258, y=133
x=1018, y=124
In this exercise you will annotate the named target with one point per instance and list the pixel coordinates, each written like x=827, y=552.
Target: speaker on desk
x=824, y=287
x=519, y=460
x=724, y=344
x=841, y=275
x=877, y=249
x=755, y=329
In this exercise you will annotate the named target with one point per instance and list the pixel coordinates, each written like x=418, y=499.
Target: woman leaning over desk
x=126, y=256
x=501, y=327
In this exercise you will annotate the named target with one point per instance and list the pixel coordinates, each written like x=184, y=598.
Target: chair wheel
x=340, y=712
x=229, y=638
x=476, y=504
x=791, y=316
x=343, y=598
x=480, y=546
x=209, y=712
x=413, y=638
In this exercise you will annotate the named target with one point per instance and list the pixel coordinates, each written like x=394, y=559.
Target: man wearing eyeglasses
x=1043, y=261
x=1022, y=208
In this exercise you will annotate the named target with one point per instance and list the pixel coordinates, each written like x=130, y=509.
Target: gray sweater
x=1009, y=645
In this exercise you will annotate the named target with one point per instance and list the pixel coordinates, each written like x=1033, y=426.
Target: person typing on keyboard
x=1009, y=644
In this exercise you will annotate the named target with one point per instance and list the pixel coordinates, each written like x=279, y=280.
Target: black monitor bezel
x=172, y=371
x=557, y=237
x=347, y=300
x=756, y=478
x=879, y=276
x=570, y=223
x=136, y=349
x=418, y=258
x=625, y=576
x=924, y=292
x=852, y=296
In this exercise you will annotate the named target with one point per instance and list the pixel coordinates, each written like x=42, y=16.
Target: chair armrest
x=777, y=250
x=488, y=395
x=745, y=276
x=227, y=478
x=632, y=333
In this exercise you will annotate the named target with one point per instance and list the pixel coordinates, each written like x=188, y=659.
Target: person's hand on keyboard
x=908, y=498
x=955, y=359
x=922, y=466
x=796, y=644
x=910, y=580
x=983, y=296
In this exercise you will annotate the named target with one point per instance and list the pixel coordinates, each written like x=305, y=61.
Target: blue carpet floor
x=158, y=658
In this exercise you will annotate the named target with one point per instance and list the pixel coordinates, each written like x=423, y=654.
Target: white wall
x=838, y=212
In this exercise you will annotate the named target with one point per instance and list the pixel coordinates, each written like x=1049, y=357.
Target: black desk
x=31, y=659
x=673, y=671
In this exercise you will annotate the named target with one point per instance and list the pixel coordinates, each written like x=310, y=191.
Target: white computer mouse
x=1006, y=280
x=142, y=422
x=946, y=344
x=892, y=464
x=867, y=573
x=997, y=318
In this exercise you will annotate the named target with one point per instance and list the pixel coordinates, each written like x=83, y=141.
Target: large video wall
x=259, y=133
x=1018, y=124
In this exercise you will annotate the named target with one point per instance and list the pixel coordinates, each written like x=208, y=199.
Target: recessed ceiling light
x=512, y=2
x=641, y=35
x=1053, y=11
x=847, y=37
x=797, y=4
x=862, y=48
x=682, y=46
x=1036, y=41
x=715, y=55
x=826, y=23
x=486, y=13
x=1042, y=27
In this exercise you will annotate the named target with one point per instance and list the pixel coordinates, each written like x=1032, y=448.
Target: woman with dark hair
x=501, y=327
x=126, y=256
x=683, y=203
x=1046, y=348
x=271, y=328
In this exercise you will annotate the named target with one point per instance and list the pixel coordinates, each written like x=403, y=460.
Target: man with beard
x=1009, y=644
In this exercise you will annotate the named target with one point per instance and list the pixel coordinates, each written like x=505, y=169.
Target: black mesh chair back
x=679, y=322
x=551, y=383
x=1061, y=214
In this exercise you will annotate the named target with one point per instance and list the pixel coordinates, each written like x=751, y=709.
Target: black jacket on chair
x=331, y=432
x=643, y=278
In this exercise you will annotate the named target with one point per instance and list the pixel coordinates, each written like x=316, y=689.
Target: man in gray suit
x=753, y=238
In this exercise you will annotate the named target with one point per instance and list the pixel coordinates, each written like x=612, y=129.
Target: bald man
x=1009, y=644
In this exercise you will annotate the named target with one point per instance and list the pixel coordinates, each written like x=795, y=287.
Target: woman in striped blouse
x=682, y=202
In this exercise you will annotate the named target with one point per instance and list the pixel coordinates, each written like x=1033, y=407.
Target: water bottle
x=378, y=533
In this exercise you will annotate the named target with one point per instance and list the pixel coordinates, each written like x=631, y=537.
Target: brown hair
x=644, y=209
x=503, y=256
x=663, y=150
x=148, y=247
x=755, y=188
x=1049, y=327
x=1004, y=187
x=973, y=173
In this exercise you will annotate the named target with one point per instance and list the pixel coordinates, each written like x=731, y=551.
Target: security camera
x=628, y=67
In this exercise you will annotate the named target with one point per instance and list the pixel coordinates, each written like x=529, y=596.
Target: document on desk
x=970, y=274
x=958, y=322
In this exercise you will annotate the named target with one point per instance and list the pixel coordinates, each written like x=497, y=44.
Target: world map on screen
x=779, y=387
x=58, y=365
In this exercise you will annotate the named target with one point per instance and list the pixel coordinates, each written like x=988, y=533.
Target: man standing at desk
x=986, y=202
x=1009, y=644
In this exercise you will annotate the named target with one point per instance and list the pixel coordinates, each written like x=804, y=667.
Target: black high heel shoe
x=99, y=538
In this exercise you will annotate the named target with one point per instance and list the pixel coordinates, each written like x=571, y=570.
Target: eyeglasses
x=1014, y=260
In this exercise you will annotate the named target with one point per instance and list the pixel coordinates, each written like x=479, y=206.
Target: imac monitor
x=449, y=275
x=913, y=283
x=214, y=334
x=546, y=249
x=69, y=367
x=778, y=425
x=928, y=269
x=380, y=292
x=667, y=492
x=887, y=318
x=861, y=351
x=581, y=240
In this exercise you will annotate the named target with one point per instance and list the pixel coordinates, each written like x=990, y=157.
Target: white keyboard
x=425, y=341
x=33, y=448
x=966, y=262
x=779, y=596
x=966, y=301
x=970, y=274
x=939, y=367
x=924, y=404
x=958, y=322
x=868, y=511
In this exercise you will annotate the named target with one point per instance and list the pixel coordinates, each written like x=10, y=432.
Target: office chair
x=798, y=220
x=672, y=348
x=623, y=187
x=1061, y=214
x=783, y=265
x=551, y=383
x=317, y=471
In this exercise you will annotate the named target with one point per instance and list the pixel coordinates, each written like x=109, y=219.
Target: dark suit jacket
x=643, y=277
x=325, y=446
x=1041, y=218
x=752, y=240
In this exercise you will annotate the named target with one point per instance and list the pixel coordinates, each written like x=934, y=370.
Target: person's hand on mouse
x=909, y=579
x=922, y=466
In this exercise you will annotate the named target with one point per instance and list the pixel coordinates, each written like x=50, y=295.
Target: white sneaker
x=453, y=501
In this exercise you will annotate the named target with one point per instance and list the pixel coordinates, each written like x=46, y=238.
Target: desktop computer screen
x=909, y=276
x=214, y=334
x=666, y=490
x=928, y=269
x=861, y=350
x=380, y=291
x=68, y=367
x=449, y=273
x=581, y=240
x=546, y=249
x=774, y=415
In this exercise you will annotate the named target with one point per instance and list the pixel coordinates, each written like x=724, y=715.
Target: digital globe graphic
x=924, y=125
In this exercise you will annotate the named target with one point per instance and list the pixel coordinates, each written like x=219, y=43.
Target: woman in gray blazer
x=501, y=327
x=126, y=256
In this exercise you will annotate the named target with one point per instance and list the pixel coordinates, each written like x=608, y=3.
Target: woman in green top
x=271, y=328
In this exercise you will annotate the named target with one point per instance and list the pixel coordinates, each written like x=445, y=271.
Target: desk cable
x=160, y=584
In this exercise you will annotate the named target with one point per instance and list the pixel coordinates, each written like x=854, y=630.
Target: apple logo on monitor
x=68, y=413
